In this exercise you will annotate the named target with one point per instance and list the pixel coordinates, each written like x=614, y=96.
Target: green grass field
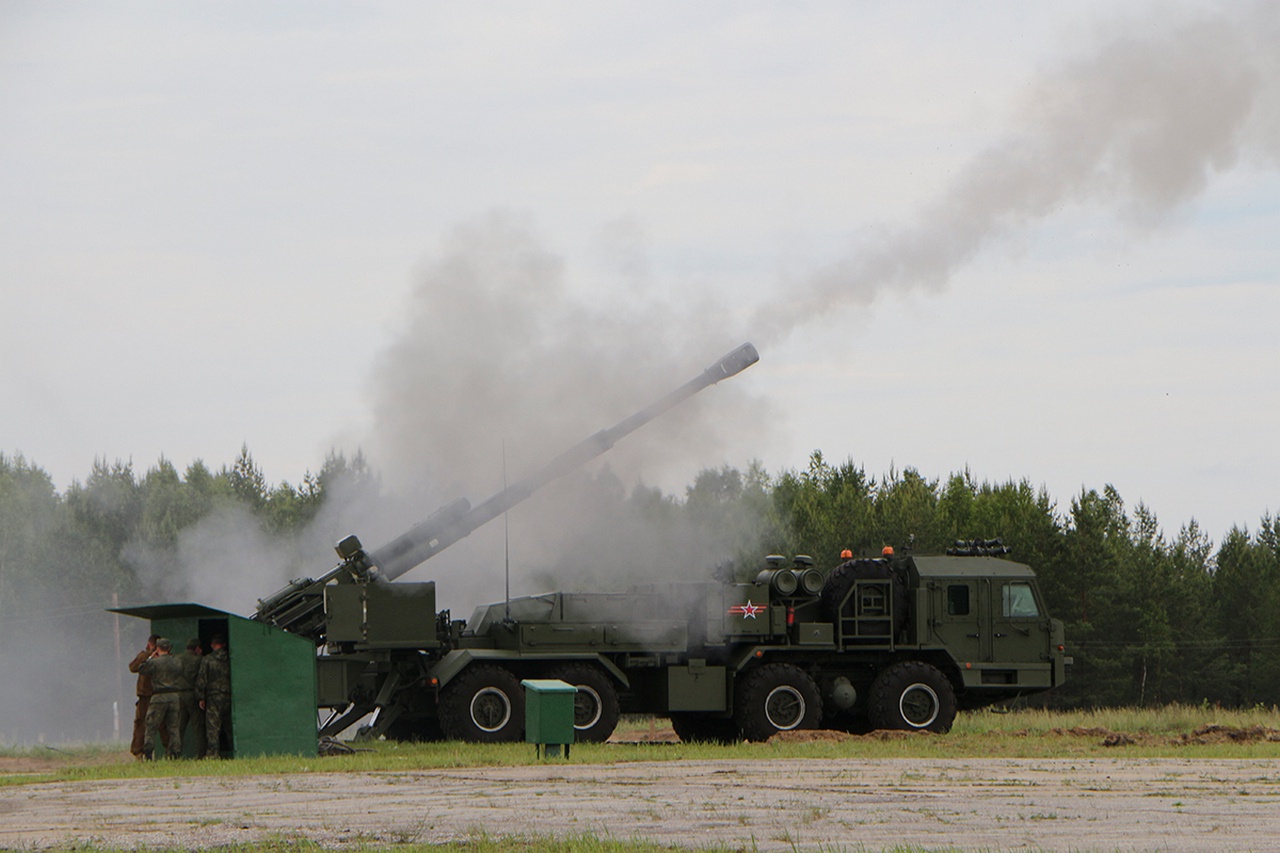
x=1175, y=731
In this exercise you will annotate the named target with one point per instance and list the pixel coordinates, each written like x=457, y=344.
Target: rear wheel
x=912, y=695
x=484, y=705
x=595, y=706
x=777, y=697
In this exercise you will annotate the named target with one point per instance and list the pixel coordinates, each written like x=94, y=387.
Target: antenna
x=506, y=534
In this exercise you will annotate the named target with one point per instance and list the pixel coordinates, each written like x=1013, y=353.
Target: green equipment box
x=548, y=714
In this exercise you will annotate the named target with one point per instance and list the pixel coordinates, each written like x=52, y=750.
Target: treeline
x=1150, y=619
x=70, y=552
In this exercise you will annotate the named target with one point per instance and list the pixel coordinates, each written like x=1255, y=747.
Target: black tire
x=484, y=704
x=595, y=707
x=776, y=697
x=914, y=696
x=693, y=727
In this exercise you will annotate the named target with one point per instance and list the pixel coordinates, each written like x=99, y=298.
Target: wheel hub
x=490, y=709
x=919, y=705
x=784, y=708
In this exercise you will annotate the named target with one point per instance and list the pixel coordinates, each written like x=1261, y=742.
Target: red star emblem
x=748, y=610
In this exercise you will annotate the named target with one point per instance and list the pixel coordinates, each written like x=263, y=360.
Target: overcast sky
x=1033, y=240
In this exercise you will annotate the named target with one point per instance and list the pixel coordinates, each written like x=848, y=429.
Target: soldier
x=191, y=713
x=143, y=691
x=165, y=708
x=213, y=689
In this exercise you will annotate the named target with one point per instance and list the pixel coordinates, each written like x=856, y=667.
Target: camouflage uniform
x=213, y=686
x=144, y=700
x=165, y=709
x=191, y=715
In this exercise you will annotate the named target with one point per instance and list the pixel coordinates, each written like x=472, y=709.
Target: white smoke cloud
x=497, y=348
x=503, y=362
x=1141, y=124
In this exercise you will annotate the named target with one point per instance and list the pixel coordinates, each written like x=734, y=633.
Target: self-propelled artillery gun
x=890, y=642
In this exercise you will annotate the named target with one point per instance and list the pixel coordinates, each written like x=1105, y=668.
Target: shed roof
x=173, y=610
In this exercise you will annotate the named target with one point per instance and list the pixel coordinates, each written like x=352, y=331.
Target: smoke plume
x=1141, y=124
x=501, y=364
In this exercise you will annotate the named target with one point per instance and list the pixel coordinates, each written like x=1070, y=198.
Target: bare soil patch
x=826, y=736
x=1211, y=734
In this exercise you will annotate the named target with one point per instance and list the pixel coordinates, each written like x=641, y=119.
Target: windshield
x=1019, y=601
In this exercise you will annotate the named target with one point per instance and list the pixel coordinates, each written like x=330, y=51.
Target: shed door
x=273, y=691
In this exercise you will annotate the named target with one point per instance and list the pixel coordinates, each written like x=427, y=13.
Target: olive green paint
x=273, y=676
x=548, y=712
x=273, y=690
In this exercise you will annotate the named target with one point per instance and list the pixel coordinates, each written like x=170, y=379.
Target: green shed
x=273, y=676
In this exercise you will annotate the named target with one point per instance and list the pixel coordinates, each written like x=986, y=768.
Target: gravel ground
x=785, y=804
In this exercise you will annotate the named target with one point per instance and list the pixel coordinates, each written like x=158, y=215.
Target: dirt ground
x=780, y=804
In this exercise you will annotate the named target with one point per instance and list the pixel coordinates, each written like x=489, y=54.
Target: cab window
x=958, y=600
x=1019, y=602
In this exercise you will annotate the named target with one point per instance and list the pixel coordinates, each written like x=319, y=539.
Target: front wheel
x=595, y=705
x=912, y=695
x=777, y=697
x=483, y=705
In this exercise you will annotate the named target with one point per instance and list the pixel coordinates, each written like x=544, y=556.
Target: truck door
x=1019, y=626
x=963, y=617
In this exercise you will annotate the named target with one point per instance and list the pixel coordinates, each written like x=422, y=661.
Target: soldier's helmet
x=164, y=643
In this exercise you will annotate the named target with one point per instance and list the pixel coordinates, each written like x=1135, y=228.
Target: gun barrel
x=435, y=534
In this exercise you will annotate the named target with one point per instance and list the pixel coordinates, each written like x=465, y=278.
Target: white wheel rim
x=596, y=704
x=787, y=703
x=919, y=705
x=484, y=705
